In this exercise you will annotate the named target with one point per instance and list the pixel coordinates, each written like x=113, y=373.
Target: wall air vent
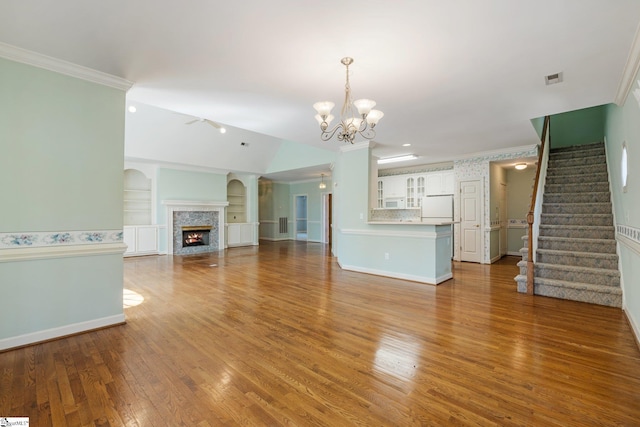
x=552, y=79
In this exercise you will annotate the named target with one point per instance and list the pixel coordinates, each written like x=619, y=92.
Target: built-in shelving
x=137, y=198
x=236, y=196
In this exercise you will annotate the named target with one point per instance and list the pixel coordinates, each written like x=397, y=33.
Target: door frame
x=325, y=220
x=458, y=217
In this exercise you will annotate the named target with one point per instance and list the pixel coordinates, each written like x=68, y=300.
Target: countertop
x=412, y=222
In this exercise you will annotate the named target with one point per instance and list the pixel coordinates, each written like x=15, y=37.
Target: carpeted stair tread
x=578, y=231
x=585, y=179
x=577, y=243
x=571, y=273
x=576, y=161
x=589, y=219
x=594, y=187
x=582, y=292
x=580, y=259
x=578, y=285
x=581, y=254
x=582, y=147
x=577, y=208
x=558, y=155
x=577, y=170
x=591, y=197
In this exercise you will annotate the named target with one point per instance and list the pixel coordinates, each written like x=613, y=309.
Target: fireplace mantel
x=194, y=205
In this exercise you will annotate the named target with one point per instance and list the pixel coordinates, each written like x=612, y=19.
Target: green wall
x=578, y=127
x=173, y=184
x=292, y=155
x=623, y=126
x=62, y=151
x=61, y=163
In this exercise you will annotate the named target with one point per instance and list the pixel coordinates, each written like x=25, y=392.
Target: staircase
x=576, y=257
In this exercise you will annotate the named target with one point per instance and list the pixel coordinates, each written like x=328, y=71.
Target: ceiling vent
x=552, y=79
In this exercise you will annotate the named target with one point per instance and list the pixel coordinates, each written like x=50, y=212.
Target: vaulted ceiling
x=452, y=77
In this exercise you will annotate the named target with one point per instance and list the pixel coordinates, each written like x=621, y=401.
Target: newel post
x=530, y=265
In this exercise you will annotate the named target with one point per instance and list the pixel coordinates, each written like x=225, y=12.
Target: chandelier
x=350, y=124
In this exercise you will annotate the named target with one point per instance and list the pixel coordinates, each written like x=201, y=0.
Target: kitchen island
x=409, y=249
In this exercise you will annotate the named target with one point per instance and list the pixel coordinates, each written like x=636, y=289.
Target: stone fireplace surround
x=185, y=212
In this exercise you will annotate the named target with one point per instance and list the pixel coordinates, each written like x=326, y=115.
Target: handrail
x=530, y=215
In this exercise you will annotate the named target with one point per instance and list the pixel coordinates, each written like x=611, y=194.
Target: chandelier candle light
x=350, y=124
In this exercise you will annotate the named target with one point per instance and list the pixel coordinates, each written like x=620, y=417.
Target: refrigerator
x=437, y=208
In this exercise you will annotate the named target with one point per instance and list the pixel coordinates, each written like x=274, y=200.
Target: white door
x=470, y=221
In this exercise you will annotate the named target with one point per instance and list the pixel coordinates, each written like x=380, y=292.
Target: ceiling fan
x=214, y=124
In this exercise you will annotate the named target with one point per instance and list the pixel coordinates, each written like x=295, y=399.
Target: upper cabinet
x=413, y=187
x=438, y=183
x=137, y=198
x=394, y=186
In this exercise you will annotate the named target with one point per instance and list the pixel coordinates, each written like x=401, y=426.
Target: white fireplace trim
x=195, y=205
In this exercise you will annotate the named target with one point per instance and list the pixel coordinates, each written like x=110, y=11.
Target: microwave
x=394, y=203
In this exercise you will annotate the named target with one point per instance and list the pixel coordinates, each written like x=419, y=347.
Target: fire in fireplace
x=195, y=235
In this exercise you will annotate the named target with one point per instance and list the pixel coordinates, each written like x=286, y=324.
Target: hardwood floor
x=280, y=335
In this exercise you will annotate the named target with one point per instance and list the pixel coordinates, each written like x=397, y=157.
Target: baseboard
x=275, y=239
x=514, y=253
x=634, y=325
x=411, y=277
x=60, y=332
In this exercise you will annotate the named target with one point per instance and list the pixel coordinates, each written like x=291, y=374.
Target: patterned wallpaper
x=477, y=168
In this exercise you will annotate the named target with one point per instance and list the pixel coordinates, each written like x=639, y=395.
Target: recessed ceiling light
x=406, y=145
x=132, y=108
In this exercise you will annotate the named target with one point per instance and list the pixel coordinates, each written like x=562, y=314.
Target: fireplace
x=199, y=216
x=195, y=235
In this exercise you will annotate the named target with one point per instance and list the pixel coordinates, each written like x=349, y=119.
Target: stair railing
x=530, y=215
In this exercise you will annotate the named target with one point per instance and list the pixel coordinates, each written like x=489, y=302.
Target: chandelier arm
x=328, y=134
x=368, y=133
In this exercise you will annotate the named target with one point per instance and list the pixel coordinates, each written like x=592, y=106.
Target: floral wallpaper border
x=58, y=238
x=630, y=233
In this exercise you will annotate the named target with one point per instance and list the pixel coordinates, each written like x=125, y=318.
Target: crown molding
x=630, y=71
x=28, y=57
x=357, y=146
x=520, y=151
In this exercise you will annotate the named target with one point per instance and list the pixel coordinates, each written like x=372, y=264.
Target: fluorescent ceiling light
x=397, y=159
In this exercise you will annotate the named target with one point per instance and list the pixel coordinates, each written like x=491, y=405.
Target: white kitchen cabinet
x=439, y=183
x=140, y=239
x=394, y=186
x=448, y=182
x=240, y=234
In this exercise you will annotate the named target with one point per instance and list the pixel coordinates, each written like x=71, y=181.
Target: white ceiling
x=452, y=77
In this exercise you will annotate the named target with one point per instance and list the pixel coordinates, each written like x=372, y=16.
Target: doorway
x=327, y=222
x=470, y=221
x=502, y=217
x=300, y=215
